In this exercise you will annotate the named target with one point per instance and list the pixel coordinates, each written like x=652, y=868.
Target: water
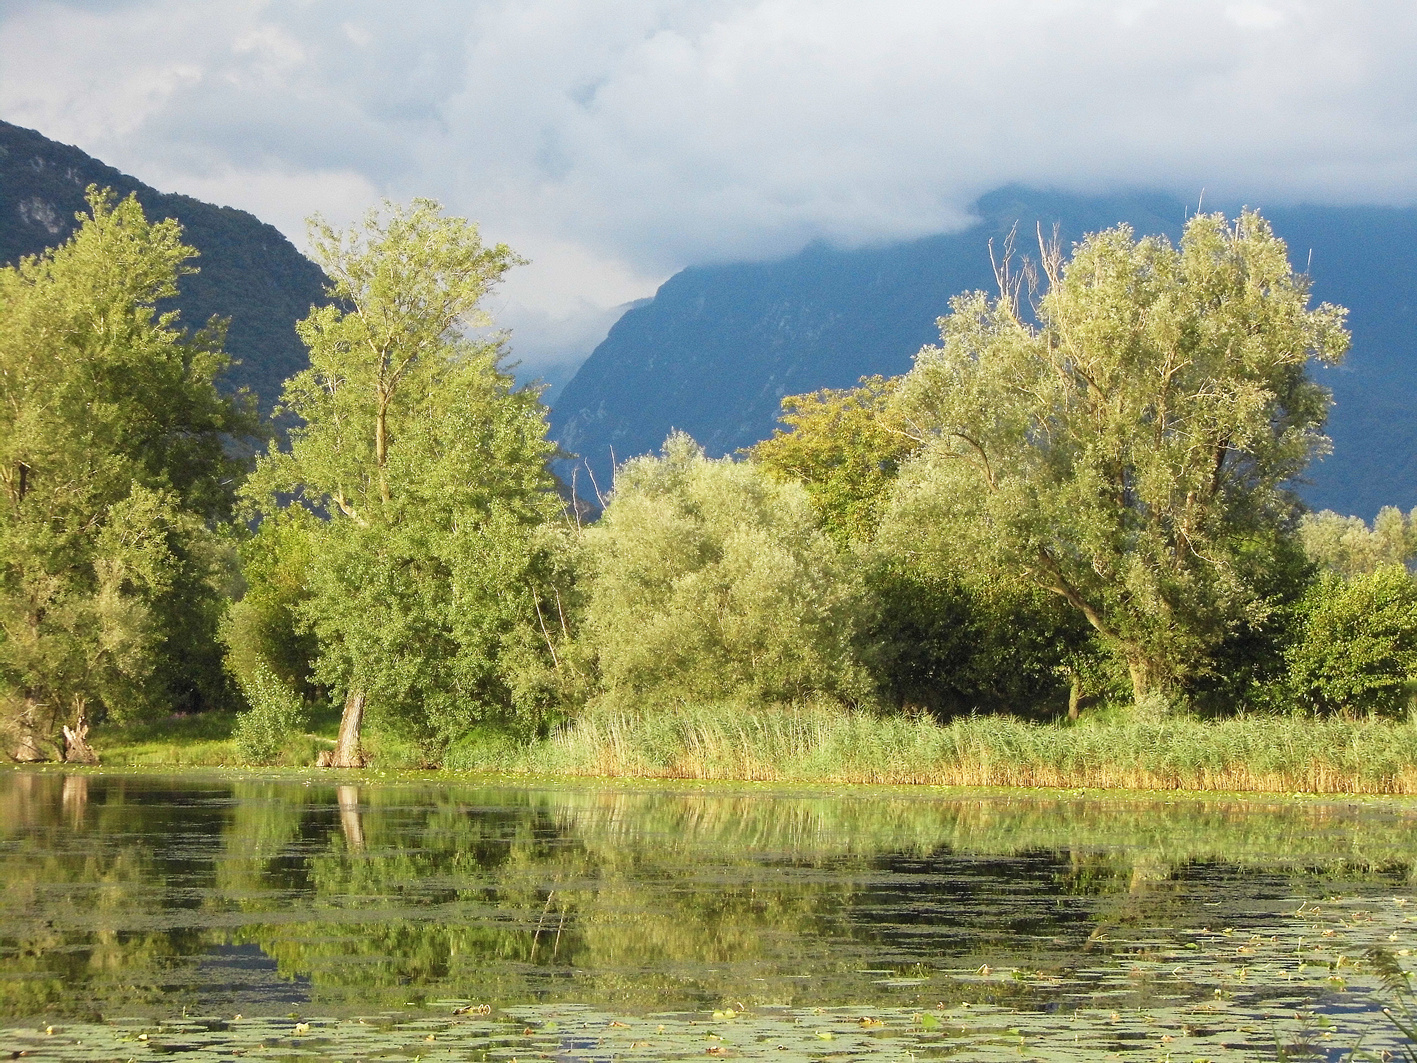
x=141, y=915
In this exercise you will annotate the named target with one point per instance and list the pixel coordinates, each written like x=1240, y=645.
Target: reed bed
x=826, y=743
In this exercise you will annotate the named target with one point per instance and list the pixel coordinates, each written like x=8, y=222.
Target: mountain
x=249, y=272
x=718, y=346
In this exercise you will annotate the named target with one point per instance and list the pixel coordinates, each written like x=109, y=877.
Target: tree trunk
x=347, y=753
x=76, y=739
x=1074, y=698
x=27, y=748
x=1144, y=678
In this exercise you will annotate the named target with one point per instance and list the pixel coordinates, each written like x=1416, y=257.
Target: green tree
x=712, y=579
x=116, y=468
x=1348, y=546
x=429, y=586
x=845, y=447
x=1127, y=445
x=1357, y=648
x=932, y=641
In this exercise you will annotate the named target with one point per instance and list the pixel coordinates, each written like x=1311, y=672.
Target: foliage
x=276, y=713
x=845, y=448
x=932, y=641
x=1129, y=451
x=712, y=578
x=939, y=643
x=1248, y=669
x=1349, y=547
x=116, y=467
x=428, y=586
x=251, y=276
x=262, y=629
x=1357, y=650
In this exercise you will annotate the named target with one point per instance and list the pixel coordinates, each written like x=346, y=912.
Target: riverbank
x=824, y=743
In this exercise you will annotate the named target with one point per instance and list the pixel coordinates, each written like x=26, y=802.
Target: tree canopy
x=116, y=475
x=711, y=579
x=424, y=587
x=1126, y=441
x=845, y=447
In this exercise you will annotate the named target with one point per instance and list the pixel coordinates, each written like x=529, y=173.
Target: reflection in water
x=76, y=796
x=144, y=895
x=349, y=820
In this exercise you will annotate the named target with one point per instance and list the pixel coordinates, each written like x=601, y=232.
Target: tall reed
x=824, y=742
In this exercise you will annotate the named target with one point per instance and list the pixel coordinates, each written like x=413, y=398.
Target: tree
x=1357, y=649
x=711, y=579
x=1347, y=546
x=427, y=579
x=116, y=468
x=845, y=447
x=1128, y=446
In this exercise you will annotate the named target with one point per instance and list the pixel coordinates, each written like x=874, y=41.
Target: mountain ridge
x=248, y=271
x=716, y=348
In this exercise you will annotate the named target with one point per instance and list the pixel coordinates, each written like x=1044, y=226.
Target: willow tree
x=429, y=471
x=1126, y=442
x=116, y=468
x=712, y=579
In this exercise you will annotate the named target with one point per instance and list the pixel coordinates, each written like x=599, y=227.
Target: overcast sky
x=615, y=141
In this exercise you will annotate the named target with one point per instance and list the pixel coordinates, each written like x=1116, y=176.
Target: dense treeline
x=1076, y=505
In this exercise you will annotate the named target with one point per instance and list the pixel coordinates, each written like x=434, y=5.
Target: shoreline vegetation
x=822, y=743
x=1063, y=550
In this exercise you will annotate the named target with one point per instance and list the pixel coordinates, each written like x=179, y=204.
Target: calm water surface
x=815, y=925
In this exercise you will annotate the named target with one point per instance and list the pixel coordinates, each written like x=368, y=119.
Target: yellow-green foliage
x=710, y=579
x=1348, y=546
x=276, y=713
x=844, y=446
x=116, y=468
x=1126, y=442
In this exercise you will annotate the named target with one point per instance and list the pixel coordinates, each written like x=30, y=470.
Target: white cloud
x=616, y=140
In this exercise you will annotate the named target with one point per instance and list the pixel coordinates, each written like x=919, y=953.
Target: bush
x=1357, y=651
x=276, y=714
x=710, y=579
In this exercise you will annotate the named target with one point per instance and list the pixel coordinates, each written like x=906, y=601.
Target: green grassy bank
x=824, y=743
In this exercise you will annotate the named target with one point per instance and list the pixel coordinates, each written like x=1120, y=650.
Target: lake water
x=141, y=915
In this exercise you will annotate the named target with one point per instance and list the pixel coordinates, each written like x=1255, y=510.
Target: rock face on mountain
x=249, y=272
x=717, y=347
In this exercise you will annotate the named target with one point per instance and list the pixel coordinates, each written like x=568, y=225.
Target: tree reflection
x=115, y=889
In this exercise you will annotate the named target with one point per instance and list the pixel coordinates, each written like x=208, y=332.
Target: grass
x=202, y=740
x=824, y=743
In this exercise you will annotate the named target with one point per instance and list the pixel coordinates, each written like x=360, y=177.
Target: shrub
x=276, y=714
x=1358, y=648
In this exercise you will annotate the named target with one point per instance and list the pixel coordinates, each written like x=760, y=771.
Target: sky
x=613, y=142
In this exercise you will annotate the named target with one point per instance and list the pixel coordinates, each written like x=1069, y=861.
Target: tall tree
x=116, y=476
x=426, y=587
x=1127, y=445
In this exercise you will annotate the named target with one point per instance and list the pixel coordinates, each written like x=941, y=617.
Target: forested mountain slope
x=249, y=271
x=717, y=347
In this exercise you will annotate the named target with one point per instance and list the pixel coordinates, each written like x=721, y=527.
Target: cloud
x=614, y=141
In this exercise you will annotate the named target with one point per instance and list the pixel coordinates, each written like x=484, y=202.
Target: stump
x=76, y=744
